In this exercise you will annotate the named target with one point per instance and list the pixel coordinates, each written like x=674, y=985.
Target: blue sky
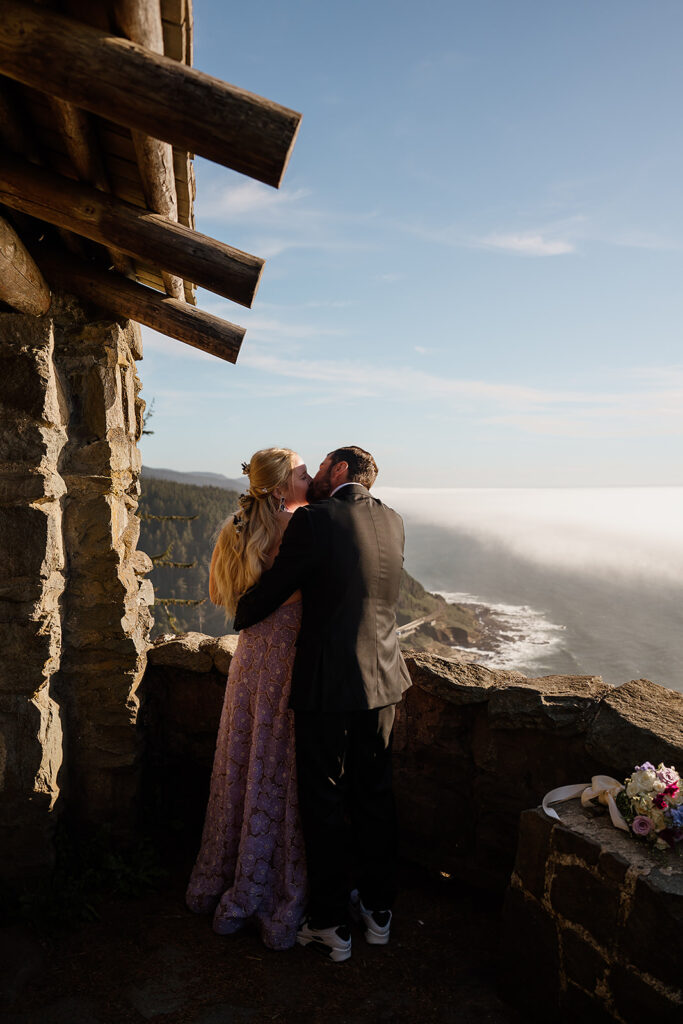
x=474, y=263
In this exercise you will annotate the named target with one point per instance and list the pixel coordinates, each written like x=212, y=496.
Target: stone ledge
x=194, y=652
x=616, y=909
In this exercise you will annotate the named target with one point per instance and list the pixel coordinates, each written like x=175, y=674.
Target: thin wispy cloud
x=270, y=222
x=249, y=200
x=527, y=244
x=551, y=240
x=571, y=413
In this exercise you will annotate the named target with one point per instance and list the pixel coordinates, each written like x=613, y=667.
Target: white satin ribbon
x=602, y=787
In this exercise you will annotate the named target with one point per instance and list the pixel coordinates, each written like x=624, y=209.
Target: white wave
x=524, y=639
x=629, y=531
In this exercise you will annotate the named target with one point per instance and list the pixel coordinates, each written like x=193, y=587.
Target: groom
x=344, y=552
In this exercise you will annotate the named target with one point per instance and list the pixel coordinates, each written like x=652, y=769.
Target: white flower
x=641, y=782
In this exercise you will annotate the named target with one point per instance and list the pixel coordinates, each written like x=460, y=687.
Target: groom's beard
x=318, y=490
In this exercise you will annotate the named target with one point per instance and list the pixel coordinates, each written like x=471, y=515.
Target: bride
x=251, y=864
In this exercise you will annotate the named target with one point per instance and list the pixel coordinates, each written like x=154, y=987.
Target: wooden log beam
x=22, y=285
x=127, y=84
x=139, y=233
x=83, y=148
x=140, y=21
x=119, y=295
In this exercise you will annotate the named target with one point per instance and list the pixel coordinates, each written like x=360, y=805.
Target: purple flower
x=669, y=776
x=676, y=815
x=641, y=825
x=646, y=767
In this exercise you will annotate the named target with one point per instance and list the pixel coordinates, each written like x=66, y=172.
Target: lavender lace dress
x=251, y=865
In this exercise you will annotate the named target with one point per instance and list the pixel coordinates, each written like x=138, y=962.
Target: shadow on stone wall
x=591, y=926
x=473, y=747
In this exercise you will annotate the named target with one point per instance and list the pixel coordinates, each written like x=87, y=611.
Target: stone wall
x=476, y=747
x=74, y=619
x=592, y=923
x=473, y=747
x=592, y=926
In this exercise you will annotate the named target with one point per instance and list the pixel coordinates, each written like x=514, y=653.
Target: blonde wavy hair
x=251, y=533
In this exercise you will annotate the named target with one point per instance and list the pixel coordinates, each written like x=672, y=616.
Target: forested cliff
x=179, y=527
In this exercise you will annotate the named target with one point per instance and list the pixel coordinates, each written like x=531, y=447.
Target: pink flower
x=667, y=775
x=641, y=825
x=671, y=790
x=660, y=801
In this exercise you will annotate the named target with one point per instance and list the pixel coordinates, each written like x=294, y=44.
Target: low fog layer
x=631, y=531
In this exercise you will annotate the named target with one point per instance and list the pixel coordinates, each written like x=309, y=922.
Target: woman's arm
x=283, y=578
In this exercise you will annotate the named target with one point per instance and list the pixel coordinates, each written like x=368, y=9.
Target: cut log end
x=22, y=286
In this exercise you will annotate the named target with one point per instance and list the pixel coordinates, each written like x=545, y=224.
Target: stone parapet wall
x=592, y=923
x=74, y=616
x=182, y=697
x=475, y=747
x=591, y=926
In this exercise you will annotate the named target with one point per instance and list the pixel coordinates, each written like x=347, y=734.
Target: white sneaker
x=377, y=923
x=334, y=942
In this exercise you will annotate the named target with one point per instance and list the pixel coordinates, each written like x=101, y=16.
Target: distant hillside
x=186, y=541
x=183, y=541
x=197, y=479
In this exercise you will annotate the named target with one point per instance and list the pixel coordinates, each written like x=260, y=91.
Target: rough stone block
x=653, y=932
x=584, y=964
x=636, y=722
x=190, y=651
x=222, y=651
x=579, y=896
x=637, y=1001
x=25, y=366
x=558, y=703
x=568, y=841
x=535, y=830
x=577, y=1006
x=614, y=866
x=27, y=534
x=454, y=682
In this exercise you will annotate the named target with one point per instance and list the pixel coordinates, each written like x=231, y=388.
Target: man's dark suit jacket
x=345, y=554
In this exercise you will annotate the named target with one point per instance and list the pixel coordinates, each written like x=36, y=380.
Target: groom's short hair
x=362, y=466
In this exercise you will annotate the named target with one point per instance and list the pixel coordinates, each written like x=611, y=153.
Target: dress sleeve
x=286, y=574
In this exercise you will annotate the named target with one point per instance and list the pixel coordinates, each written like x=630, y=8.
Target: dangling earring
x=282, y=507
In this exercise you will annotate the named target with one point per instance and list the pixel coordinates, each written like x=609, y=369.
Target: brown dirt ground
x=149, y=959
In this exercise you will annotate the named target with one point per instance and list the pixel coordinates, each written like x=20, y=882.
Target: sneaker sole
x=336, y=955
x=375, y=938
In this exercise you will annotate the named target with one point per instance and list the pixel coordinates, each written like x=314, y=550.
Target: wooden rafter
x=140, y=21
x=100, y=115
x=148, y=92
x=22, y=285
x=115, y=293
x=139, y=233
x=76, y=128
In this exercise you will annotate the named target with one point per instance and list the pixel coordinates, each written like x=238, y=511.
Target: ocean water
x=587, y=581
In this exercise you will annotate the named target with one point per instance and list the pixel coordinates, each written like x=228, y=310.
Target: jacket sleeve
x=286, y=574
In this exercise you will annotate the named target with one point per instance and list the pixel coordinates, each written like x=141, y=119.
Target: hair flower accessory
x=246, y=466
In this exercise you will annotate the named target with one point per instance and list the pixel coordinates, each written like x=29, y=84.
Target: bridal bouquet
x=651, y=804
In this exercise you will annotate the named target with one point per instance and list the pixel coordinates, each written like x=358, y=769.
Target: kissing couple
x=300, y=831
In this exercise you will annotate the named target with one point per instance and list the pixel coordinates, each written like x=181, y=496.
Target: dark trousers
x=347, y=809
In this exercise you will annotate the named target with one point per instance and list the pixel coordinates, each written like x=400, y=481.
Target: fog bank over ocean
x=584, y=580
